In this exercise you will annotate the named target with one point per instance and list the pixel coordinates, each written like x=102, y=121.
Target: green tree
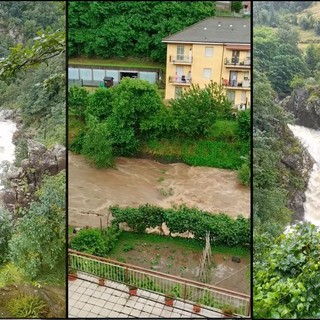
x=39, y=238
x=100, y=105
x=194, y=113
x=96, y=144
x=78, y=101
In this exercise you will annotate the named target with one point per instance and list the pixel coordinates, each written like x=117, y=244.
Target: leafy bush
x=99, y=104
x=77, y=100
x=223, y=229
x=77, y=144
x=10, y=274
x=27, y=306
x=89, y=241
x=197, y=109
x=5, y=233
x=95, y=241
x=244, y=174
x=244, y=124
x=96, y=145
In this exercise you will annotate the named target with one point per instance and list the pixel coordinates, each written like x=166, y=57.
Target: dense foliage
x=121, y=29
x=287, y=277
x=95, y=241
x=286, y=265
x=39, y=238
x=223, y=229
x=131, y=118
x=32, y=70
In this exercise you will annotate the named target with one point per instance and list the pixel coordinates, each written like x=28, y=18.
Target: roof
x=215, y=30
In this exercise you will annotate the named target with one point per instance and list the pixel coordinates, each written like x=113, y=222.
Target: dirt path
x=138, y=181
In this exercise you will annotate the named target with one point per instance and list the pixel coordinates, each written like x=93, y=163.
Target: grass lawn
x=128, y=62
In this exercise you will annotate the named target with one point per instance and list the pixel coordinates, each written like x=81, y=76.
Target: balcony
x=180, y=80
x=229, y=84
x=181, y=59
x=236, y=63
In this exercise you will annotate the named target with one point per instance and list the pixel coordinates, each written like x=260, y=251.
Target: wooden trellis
x=205, y=261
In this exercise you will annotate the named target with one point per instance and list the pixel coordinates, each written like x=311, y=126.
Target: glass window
x=178, y=92
x=231, y=95
x=180, y=52
x=207, y=73
x=208, y=52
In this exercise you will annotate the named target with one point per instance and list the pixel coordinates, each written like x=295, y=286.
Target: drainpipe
x=222, y=63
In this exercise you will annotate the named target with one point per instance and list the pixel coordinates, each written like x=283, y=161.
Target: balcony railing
x=180, y=80
x=234, y=83
x=234, y=61
x=181, y=59
x=185, y=289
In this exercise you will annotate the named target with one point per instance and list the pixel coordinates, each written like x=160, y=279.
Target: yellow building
x=216, y=49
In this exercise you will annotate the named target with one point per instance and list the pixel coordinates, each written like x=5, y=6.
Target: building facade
x=216, y=49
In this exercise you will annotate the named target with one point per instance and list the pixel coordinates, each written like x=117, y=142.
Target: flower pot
x=196, y=308
x=72, y=277
x=168, y=302
x=101, y=282
x=133, y=291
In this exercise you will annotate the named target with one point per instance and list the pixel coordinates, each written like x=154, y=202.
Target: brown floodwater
x=134, y=182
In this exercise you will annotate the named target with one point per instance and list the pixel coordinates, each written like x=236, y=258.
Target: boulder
x=35, y=148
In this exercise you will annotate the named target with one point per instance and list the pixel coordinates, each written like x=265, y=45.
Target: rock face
x=304, y=104
x=26, y=179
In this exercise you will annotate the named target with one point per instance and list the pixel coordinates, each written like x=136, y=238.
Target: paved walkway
x=89, y=300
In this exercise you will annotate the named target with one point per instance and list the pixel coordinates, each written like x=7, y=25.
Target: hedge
x=224, y=230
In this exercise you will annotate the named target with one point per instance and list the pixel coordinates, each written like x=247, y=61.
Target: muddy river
x=138, y=181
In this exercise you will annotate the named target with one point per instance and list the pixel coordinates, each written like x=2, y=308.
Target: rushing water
x=140, y=181
x=7, y=129
x=311, y=140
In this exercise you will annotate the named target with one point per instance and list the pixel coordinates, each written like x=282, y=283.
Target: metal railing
x=181, y=80
x=185, y=289
x=234, y=61
x=179, y=58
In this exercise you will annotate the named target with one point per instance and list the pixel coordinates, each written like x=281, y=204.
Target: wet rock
x=14, y=173
x=304, y=104
x=8, y=197
x=35, y=148
x=49, y=163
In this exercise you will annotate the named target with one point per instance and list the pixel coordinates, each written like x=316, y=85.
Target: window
x=231, y=95
x=246, y=75
x=208, y=52
x=207, y=73
x=178, y=92
x=180, y=52
x=243, y=97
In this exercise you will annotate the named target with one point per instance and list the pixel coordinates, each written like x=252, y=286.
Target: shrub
x=197, y=109
x=10, y=274
x=27, y=306
x=89, y=241
x=96, y=145
x=77, y=101
x=95, y=241
x=244, y=174
x=317, y=27
x=77, y=143
x=244, y=124
x=99, y=104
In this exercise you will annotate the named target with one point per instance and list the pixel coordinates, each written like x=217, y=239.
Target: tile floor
x=89, y=300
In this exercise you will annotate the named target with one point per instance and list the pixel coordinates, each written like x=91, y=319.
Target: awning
x=240, y=48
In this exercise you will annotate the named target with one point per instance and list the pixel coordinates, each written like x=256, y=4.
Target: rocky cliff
x=23, y=181
x=304, y=104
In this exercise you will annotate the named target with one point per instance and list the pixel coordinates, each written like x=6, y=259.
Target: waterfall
x=311, y=141
x=7, y=129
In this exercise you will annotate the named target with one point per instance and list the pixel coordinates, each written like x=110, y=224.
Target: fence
x=193, y=291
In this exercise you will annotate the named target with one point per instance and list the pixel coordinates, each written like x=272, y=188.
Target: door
x=235, y=56
x=233, y=78
x=179, y=73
